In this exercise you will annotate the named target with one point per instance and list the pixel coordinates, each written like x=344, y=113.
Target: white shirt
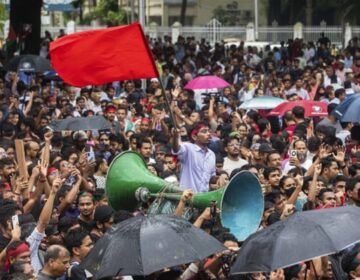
x=306, y=164
x=230, y=165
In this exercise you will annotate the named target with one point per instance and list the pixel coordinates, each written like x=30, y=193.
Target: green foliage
x=227, y=16
x=107, y=12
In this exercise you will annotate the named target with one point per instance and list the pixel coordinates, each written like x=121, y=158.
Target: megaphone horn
x=241, y=201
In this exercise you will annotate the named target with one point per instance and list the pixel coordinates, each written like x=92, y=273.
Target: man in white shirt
x=299, y=90
x=233, y=159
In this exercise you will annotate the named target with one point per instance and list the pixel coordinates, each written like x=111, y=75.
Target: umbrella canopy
x=86, y=123
x=262, y=102
x=146, y=244
x=312, y=108
x=207, y=82
x=348, y=111
x=301, y=237
x=28, y=63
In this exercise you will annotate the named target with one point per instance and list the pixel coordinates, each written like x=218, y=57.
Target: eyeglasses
x=234, y=145
x=104, y=139
x=169, y=162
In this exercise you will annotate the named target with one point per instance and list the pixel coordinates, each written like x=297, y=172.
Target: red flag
x=100, y=56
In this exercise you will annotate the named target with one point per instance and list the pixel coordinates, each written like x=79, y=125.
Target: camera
x=208, y=96
x=226, y=260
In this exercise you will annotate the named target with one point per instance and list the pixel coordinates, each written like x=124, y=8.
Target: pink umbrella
x=207, y=82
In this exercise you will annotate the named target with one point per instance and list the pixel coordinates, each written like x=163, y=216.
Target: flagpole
x=171, y=115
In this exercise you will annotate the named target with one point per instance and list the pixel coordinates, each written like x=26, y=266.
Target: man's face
x=340, y=186
x=23, y=257
x=274, y=178
x=332, y=171
x=33, y=150
x=95, y=96
x=60, y=265
x=144, y=126
x=115, y=147
x=354, y=194
x=85, y=247
x=280, y=204
x=81, y=103
x=195, y=117
x=233, y=148
x=274, y=160
x=298, y=84
x=145, y=150
x=301, y=149
x=203, y=136
x=8, y=170
x=86, y=206
x=110, y=116
x=242, y=131
x=133, y=144
x=160, y=156
x=329, y=199
x=13, y=119
x=256, y=154
x=329, y=71
x=129, y=87
x=121, y=114
x=170, y=163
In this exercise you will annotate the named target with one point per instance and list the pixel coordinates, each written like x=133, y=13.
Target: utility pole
x=142, y=12
x=256, y=11
x=132, y=8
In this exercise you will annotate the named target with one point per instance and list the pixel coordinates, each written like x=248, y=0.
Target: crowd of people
x=302, y=163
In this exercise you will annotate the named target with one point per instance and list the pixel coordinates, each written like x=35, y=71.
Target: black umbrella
x=85, y=123
x=28, y=63
x=146, y=244
x=301, y=237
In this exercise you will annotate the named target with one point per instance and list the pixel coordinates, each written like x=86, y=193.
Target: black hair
x=65, y=223
x=327, y=162
x=263, y=124
x=226, y=236
x=299, y=112
x=322, y=192
x=122, y=215
x=313, y=144
x=351, y=183
x=7, y=210
x=273, y=196
x=269, y=170
x=74, y=238
x=228, y=139
x=141, y=141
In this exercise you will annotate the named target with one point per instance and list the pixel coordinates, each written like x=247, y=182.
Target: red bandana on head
x=13, y=253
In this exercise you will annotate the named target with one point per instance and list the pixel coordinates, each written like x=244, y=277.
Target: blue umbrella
x=348, y=111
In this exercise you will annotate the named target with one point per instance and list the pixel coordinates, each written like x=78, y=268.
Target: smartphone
x=293, y=153
x=15, y=221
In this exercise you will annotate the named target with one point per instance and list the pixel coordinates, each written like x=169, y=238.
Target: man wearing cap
x=103, y=218
x=198, y=162
x=110, y=115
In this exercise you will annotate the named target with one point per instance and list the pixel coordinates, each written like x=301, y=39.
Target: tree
x=228, y=16
x=108, y=12
x=80, y=5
